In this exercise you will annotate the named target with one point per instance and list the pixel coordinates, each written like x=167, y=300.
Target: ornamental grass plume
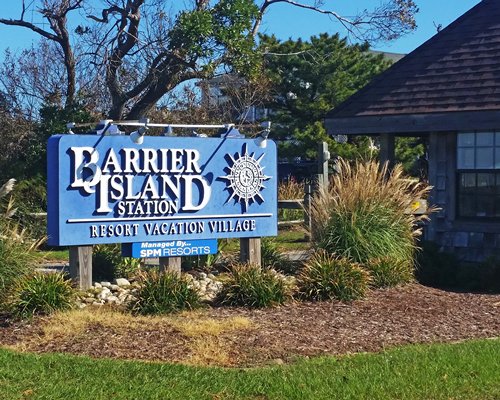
x=17, y=251
x=365, y=213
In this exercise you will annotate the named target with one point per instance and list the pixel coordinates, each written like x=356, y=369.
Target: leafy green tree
x=141, y=50
x=53, y=120
x=15, y=132
x=410, y=152
x=309, y=79
x=304, y=144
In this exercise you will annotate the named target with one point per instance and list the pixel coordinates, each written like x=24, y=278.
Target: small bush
x=253, y=286
x=327, y=277
x=164, y=293
x=489, y=276
x=206, y=262
x=441, y=269
x=389, y=272
x=436, y=268
x=108, y=263
x=41, y=294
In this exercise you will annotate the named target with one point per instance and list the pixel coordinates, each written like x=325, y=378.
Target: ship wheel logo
x=245, y=178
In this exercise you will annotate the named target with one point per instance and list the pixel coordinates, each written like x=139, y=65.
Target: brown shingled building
x=448, y=92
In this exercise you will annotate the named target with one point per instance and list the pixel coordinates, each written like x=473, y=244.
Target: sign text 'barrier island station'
x=107, y=189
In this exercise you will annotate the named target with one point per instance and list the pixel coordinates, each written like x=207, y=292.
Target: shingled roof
x=450, y=83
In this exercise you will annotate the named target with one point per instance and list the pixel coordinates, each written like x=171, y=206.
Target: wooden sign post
x=80, y=266
x=250, y=251
x=170, y=264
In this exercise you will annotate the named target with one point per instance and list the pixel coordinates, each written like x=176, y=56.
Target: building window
x=478, y=164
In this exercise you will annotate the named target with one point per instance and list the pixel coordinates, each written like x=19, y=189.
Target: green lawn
x=53, y=255
x=469, y=370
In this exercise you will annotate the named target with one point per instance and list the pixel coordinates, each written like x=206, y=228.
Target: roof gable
x=456, y=71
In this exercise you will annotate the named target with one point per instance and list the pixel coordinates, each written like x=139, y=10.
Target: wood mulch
x=385, y=318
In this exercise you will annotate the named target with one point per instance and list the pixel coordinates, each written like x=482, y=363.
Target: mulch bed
x=385, y=318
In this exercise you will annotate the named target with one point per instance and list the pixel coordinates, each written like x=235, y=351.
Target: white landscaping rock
x=113, y=299
x=122, y=282
x=104, y=294
x=106, y=284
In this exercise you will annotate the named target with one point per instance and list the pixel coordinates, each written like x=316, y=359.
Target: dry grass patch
x=75, y=322
x=193, y=325
x=206, y=345
x=200, y=337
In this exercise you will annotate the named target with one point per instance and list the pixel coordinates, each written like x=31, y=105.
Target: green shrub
x=327, y=277
x=41, y=294
x=17, y=250
x=489, y=274
x=441, y=269
x=389, y=272
x=366, y=213
x=436, y=268
x=253, y=286
x=108, y=263
x=163, y=293
x=205, y=262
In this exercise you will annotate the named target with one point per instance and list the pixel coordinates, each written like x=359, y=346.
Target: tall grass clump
x=271, y=254
x=41, y=293
x=366, y=213
x=164, y=293
x=30, y=197
x=327, y=277
x=253, y=286
x=17, y=250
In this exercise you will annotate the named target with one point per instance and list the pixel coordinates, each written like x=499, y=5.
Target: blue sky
x=286, y=21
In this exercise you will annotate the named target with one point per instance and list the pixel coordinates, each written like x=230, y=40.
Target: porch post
x=387, y=147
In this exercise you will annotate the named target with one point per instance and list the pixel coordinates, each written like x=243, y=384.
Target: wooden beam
x=80, y=266
x=414, y=123
x=295, y=204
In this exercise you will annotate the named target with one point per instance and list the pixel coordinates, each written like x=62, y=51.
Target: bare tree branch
x=388, y=21
x=34, y=28
x=56, y=15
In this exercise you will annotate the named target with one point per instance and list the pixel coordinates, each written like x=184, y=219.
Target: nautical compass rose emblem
x=245, y=177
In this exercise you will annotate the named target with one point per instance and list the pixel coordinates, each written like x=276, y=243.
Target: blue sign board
x=107, y=189
x=171, y=248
